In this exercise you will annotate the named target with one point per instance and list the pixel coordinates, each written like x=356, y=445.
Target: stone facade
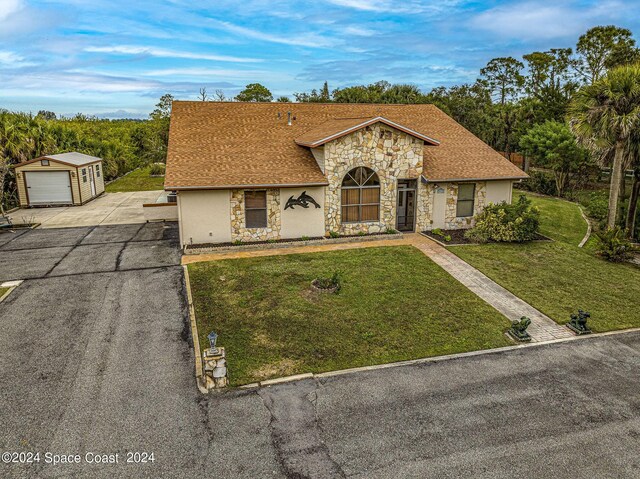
x=451, y=220
x=215, y=368
x=239, y=231
x=424, y=206
x=392, y=154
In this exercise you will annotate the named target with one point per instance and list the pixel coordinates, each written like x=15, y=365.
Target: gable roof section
x=334, y=129
x=69, y=159
x=243, y=145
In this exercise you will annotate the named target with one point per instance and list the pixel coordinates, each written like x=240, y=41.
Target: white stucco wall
x=205, y=216
x=499, y=191
x=297, y=222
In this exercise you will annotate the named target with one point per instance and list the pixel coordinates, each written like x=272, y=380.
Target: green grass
x=2, y=291
x=558, y=278
x=137, y=180
x=560, y=219
x=395, y=304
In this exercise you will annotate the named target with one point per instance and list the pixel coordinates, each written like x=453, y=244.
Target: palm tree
x=634, y=156
x=605, y=114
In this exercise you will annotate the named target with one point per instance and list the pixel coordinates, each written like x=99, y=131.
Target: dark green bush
x=613, y=245
x=539, y=182
x=517, y=222
x=156, y=169
x=329, y=283
x=598, y=205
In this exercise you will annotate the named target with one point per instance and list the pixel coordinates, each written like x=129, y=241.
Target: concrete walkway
x=108, y=209
x=542, y=327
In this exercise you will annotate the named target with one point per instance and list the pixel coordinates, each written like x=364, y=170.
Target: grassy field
x=2, y=291
x=558, y=278
x=137, y=180
x=395, y=304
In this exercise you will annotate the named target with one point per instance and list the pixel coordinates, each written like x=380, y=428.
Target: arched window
x=360, y=196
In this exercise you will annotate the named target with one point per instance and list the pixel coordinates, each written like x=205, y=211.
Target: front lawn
x=137, y=180
x=558, y=278
x=560, y=219
x=395, y=304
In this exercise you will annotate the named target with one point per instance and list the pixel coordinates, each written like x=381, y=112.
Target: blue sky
x=106, y=56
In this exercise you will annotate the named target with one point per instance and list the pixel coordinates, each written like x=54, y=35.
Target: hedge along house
x=261, y=171
x=64, y=179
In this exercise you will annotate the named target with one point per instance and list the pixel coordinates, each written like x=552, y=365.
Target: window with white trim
x=361, y=196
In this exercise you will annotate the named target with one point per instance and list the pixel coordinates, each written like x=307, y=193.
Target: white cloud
x=8, y=7
x=294, y=38
x=359, y=31
x=13, y=60
x=161, y=52
x=395, y=6
x=535, y=20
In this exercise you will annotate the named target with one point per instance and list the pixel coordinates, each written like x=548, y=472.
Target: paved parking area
x=96, y=358
x=108, y=209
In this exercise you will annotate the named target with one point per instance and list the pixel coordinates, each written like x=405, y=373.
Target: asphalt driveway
x=96, y=358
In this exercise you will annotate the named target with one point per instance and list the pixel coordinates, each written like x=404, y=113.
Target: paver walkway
x=542, y=327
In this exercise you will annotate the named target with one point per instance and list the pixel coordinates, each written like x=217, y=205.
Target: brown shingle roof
x=221, y=145
x=333, y=129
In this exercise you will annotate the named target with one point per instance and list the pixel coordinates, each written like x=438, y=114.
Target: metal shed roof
x=74, y=158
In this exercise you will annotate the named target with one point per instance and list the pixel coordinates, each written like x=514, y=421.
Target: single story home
x=262, y=171
x=64, y=179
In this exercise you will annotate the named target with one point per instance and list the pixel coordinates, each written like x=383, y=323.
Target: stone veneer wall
x=392, y=154
x=450, y=218
x=424, y=205
x=239, y=232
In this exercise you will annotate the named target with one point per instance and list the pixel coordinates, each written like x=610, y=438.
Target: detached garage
x=64, y=179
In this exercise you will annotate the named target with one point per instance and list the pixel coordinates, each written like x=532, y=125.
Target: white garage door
x=48, y=187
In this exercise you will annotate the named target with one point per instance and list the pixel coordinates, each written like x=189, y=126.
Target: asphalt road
x=95, y=357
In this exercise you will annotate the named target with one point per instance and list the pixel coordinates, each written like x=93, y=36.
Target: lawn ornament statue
x=303, y=200
x=578, y=322
x=518, y=329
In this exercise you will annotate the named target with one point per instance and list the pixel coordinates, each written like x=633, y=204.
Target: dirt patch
x=311, y=296
x=283, y=367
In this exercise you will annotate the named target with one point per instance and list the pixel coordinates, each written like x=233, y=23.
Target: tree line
x=123, y=144
x=569, y=110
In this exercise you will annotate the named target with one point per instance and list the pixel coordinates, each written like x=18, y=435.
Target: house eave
x=245, y=187
x=426, y=180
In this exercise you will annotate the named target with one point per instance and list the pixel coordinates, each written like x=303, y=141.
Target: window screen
x=466, y=194
x=255, y=209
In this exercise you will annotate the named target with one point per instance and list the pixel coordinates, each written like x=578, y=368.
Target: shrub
x=539, y=182
x=598, y=205
x=439, y=232
x=157, y=169
x=334, y=234
x=329, y=283
x=613, y=245
x=390, y=231
x=517, y=222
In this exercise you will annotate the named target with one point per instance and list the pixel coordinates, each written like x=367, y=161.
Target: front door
x=406, y=208
x=92, y=181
